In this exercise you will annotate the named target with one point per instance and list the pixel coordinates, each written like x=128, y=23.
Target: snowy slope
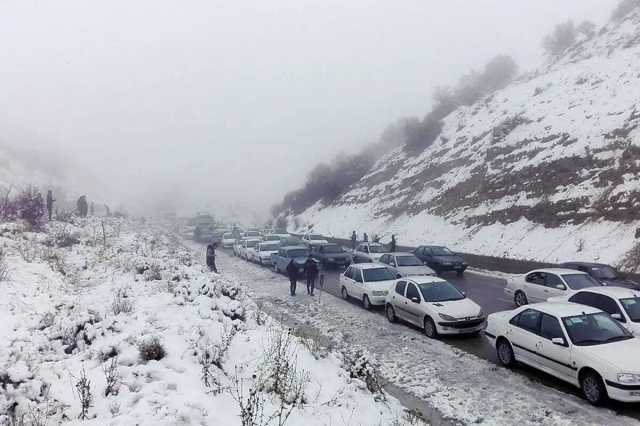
x=545, y=169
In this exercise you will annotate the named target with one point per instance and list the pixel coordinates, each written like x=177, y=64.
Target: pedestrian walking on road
x=292, y=273
x=393, y=244
x=354, y=239
x=311, y=269
x=50, y=201
x=211, y=257
x=365, y=237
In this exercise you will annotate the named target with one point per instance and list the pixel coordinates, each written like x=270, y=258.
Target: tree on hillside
x=562, y=37
x=587, y=29
x=623, y=8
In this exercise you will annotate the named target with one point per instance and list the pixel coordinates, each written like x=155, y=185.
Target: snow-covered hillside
x=128, y=321
x=545, y=169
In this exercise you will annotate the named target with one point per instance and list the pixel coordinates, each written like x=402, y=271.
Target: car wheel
x=366, y=303
x=430, y=328
x=593, y=388
x=275, y=268
x=391, y=314
x=520, y=298
x=505, y=353
x=344, y=293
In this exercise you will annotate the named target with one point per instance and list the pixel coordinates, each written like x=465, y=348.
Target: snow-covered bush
x=112, y=377
x=151, y=349
x=28, y=249
x=121, y=302
x=83, y=387
x=359, y=366
x=30, y=207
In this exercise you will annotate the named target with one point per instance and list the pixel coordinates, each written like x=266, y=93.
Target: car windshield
x=376, y=249
x=604, y=273
x=594, y=329
x=632, y=307
x=271, y=238
x=269, y=247
x=332, y=248
x=252, y=243
x=378, y=274
x=580, y=281
x=252, y=234
x=298, y=253
x=441, y=251
x=316, y=237
x=227, y=236
x=441, y=291
x=408, y=261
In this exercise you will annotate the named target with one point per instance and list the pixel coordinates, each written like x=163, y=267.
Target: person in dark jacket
x=211, y=257
x=50, y=201
x=292, y=273
x=311, y=269
x=365, y=237
x=354, y=239
x=393, y=245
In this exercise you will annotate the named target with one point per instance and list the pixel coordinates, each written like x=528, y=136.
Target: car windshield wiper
x=617, y=338
x=587, y=342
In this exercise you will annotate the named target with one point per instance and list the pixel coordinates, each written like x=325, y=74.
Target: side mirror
x=558, y=341
x=398, y=275
x=617, y=317
x=415, y=300
x=560, y=287
x=393, y=264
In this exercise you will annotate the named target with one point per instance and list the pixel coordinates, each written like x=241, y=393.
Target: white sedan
x=435, y=305
x=263, y=251
x=228, y=240
x=541, y=284
x=623, y=304
x=314, y=239
x=248, y=244
x=367, y=282
x=368, y=252
x=578, y=344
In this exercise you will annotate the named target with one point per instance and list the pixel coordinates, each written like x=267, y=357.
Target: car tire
x=520, y=298
x=430, y=329
x=366, y=303
x=260, y=262
x=275, y=268
x=391, y=313
x=593, y=388
x=344, y=293
x=505, y=353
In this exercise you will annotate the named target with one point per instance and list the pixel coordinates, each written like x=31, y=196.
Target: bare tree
x=561, y=38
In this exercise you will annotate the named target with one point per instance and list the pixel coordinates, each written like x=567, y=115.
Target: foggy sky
x=209, y=102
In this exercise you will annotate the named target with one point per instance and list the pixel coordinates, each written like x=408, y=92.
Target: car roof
x=563, y=309
x=252, y=239
x=587, y=264
x=424, y=279
x=294, y=247
x=401, y=253
x=369, y=265
x=558, y=271
x=615, y=292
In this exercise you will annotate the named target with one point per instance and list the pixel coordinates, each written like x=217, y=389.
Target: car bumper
x=623, y=393
x=377, y=300
x=454, y=267
x=461, y=327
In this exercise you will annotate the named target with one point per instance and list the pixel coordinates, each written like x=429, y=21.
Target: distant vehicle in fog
x=368, y=252
x=541, y=284
x=281, y=259
x=330, y=254
x=252, y=233
x=605, y=274
x=271, y=238
x=313, y=239
x=228, y=240
x=247, y=245
x=406, y=264
x=441, y=259
x=263, y=252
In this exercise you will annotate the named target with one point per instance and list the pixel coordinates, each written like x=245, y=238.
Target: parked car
x=252, y=234
x=603, y=273
x=281, y=259
x=247, y=245
x=263, y=251
x=313, y=239
x=367, y=282
x=441, y=259
x=330, y=254
x=237, y=246
x=539, y=285
x=271, y=237
x=578, y=344
x=228, y=240
x=621, y=303
x=368, y=252
x=406, y=264
x=434, y=305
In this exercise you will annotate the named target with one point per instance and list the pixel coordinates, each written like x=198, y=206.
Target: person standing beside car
x=393, y=245
x=354, y=239
x=311, y=269
x=292, y=273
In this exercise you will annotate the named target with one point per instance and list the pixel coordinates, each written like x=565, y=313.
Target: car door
x=524, y=337
x=398, y=299
x=554, y=286
x=359, y=285
x=534, y=287
x=554, y=357
x=413, y=299
x=344, y=279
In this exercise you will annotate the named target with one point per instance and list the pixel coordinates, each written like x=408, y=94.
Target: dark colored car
x=604, y=274
x=331, y=255
x=441, y=259
x=281, y=259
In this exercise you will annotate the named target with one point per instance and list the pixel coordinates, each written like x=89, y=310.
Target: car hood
x=621, y=283
x=449, y=258
x=621, y=356
x=415, y=270
x=457, y=308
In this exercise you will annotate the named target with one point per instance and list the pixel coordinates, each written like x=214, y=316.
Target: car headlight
x=447, y=317
x=628, y=378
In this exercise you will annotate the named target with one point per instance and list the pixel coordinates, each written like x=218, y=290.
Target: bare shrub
x=121, y=302
x=624, y=8
x=248, y=394
x=360, y=367
x=153, y=272
x=30, y=207
x=317, y=343
x=4, y=267
x=62, y=237
x=587, y=29
x=83, y=387
x=260, y=315
x=151, y=349
x=28, y=249
x=112, y=377
x=55, y=258
x=561, y=38
x=47, y=320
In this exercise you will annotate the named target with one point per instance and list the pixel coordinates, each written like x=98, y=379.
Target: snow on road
x=459, y=385
x=89, y=305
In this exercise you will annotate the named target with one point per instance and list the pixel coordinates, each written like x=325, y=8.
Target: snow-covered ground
x=454, y=384
x=82, y=304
